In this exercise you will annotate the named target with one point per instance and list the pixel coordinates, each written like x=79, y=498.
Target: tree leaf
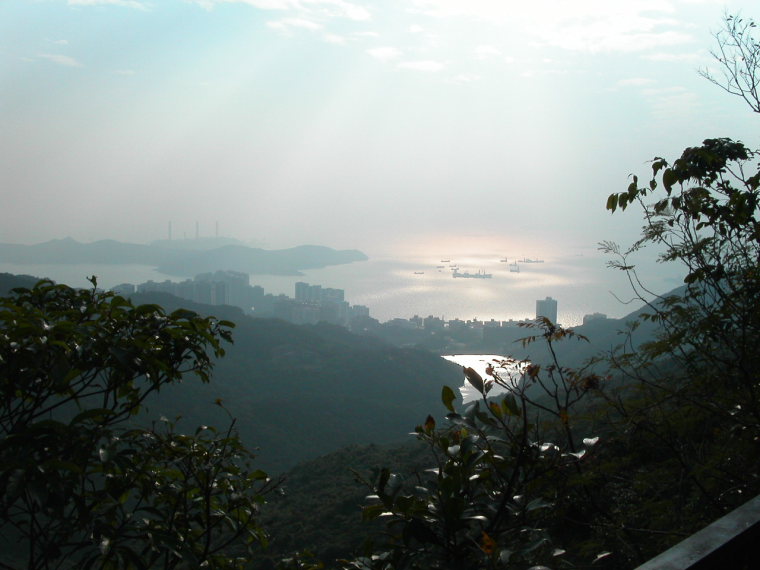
x=448, y=397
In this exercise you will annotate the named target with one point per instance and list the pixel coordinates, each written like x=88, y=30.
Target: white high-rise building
x=547, y=308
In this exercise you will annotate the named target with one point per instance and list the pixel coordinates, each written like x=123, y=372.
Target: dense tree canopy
x=82, y=484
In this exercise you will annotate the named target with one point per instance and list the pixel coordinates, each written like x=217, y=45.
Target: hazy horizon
x=413, y=125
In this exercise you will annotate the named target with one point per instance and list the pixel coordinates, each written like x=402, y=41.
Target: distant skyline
x=352, y=124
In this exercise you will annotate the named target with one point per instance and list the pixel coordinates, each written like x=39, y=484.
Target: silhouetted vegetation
x=82, y=485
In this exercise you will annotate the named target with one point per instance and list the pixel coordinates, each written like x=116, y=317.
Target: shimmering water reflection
x=404, y=285
x=479, y=363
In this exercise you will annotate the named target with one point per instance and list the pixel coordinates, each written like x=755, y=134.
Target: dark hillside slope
x=298, y=392
x=328, y=491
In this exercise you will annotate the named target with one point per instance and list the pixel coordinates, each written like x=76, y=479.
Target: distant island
x=182, y=257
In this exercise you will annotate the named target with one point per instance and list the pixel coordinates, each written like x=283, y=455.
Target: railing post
x=732, y=541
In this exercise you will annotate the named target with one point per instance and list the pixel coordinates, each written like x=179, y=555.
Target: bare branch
x=738, y=57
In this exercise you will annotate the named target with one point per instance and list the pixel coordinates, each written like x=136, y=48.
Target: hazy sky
x=348, y=123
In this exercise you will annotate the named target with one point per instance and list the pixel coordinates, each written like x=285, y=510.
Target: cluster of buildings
x=457, y=335
x=544, y=308
x=312, y=303
x=219, y=288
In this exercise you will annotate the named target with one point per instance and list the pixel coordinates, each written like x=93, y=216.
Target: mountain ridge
x=180, y=261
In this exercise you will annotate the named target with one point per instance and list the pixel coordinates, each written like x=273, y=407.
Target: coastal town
x=312, y=304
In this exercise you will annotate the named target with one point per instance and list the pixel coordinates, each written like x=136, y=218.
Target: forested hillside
x=300, y=391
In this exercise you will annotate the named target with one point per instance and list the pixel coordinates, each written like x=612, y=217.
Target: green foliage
x=501, y=471
x=737, y=53
x=705, y=216
x=319, y=507
x=708, y=221
x=689, y=408
x=82, y=485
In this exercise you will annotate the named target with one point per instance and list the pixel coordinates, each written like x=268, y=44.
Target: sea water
x=405, y=284
x=396, y=286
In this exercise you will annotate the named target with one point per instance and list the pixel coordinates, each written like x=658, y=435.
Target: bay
x=404, y=284
x=479, y=363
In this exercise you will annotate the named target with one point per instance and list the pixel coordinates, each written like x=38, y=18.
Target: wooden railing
x=731, y=543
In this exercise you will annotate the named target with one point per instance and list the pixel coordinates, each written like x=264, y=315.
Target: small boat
x=419, y=273
x=505, y=260
x=445, y=261
x=514, y=268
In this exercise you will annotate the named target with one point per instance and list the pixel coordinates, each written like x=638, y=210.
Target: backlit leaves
x=80, y=485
